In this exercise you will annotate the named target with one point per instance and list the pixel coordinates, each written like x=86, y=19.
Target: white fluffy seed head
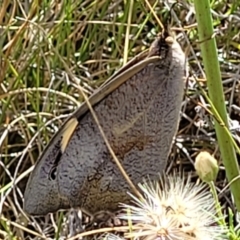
x=173, y=208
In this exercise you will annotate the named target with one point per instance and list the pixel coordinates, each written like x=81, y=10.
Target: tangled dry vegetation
x=44, y=43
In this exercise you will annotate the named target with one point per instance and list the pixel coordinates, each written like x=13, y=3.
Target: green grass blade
x=214, y=82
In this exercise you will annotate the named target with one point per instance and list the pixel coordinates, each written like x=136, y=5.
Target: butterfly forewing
x=138, y=110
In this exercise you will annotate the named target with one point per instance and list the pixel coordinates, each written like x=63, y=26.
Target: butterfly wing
x=42, y=194
x=140, y=118
x=138, y=110
x=42, y=191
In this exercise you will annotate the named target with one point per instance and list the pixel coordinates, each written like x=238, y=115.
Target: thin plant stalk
x=217, y=204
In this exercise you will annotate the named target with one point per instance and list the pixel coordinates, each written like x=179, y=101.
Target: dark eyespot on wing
x=53, y=172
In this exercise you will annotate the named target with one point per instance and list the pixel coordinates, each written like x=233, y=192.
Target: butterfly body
x=139, y=118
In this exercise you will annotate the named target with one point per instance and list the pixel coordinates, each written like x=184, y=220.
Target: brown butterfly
x=138, y=109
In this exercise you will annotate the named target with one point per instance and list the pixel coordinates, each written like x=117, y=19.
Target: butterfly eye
x=53, y=173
